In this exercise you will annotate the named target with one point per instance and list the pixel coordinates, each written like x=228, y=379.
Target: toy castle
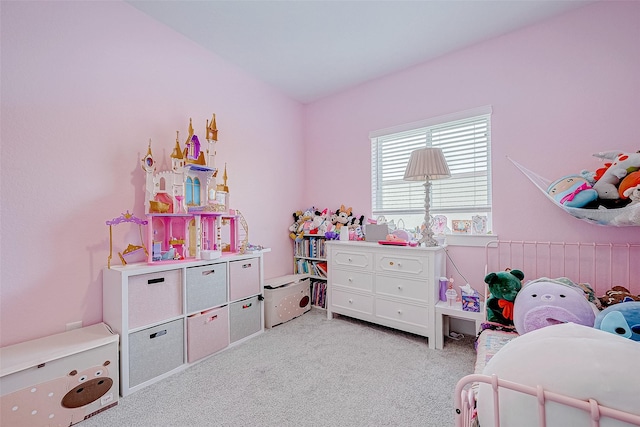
x=190, y=184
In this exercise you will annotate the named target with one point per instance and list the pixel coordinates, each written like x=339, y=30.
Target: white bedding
x=569, y=359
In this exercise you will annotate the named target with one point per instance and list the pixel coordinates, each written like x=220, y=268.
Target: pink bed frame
x=602, y=265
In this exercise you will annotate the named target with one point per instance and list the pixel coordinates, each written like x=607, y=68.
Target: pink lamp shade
x=426, y=164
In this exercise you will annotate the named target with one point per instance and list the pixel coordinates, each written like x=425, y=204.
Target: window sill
x=473, y=240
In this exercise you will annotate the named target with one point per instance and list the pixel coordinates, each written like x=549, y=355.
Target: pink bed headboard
x=602, y=265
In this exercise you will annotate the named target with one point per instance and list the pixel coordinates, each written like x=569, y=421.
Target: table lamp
x=427, y=164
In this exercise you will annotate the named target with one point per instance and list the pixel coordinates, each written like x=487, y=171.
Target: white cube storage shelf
x=170, y=315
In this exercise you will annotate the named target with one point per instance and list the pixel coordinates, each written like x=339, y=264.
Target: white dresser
x=394, y=286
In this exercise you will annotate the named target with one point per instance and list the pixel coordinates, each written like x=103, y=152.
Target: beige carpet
x=308, y=372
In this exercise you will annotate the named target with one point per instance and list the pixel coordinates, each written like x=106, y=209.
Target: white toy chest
x=61, y=379
x=285, y=298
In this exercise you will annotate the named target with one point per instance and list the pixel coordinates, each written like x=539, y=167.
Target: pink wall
x=86, y=84
x=84, y=87
x=560, y=91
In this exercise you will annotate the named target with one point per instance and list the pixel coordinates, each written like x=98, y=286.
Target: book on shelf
x=318, y=293
x=322, y=269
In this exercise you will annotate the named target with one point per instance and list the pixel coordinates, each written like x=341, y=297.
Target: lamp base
x=427, y=238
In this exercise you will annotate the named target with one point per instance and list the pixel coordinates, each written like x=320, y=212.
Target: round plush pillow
x=573, y=360
x=548, y=302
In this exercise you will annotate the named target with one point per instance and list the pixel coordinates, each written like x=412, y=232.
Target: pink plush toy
x=545, y=302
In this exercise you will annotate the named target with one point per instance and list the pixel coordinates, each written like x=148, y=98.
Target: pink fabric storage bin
x=207, y=333
x=244, y=278
x=154, y=297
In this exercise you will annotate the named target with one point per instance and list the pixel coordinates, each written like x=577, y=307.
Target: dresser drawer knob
x=399, y=311
x=350, y=301
x=350, y=279
x=349, y=259
x=399, y=287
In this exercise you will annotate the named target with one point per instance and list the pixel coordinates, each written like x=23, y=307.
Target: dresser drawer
x=402, y=312
x=206, y=286
x=244, y=278
x=352, y=279
x=352, y=258
x=410, y=265
x=402, y=287
x=154, y=297
x=351, y=301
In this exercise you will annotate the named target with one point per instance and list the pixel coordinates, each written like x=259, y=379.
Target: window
x=192, y=192
x=465, y=139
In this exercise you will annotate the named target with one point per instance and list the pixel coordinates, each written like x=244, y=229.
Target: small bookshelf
x=309, y=257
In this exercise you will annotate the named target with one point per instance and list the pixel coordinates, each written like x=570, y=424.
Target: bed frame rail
x=602, y=265
x=464, y=402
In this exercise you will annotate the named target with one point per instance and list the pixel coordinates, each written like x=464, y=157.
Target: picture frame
x=479, y=224
x=439, y=224
x=461, y=226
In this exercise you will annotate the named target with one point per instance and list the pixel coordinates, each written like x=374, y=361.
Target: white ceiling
x=311, y=49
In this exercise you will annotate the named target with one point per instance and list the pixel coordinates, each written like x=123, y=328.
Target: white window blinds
x=466, y=146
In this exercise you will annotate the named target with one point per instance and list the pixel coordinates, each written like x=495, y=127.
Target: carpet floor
x=310, y=371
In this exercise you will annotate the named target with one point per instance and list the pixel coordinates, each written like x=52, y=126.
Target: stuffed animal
x=629, y=187
x=621, y=319
x=296, y=227
x=342, y=216
x=617, y=294
x=317, y=222
x=573, y=191
x=503, y=286
x=623, y=164
x=545, y=302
